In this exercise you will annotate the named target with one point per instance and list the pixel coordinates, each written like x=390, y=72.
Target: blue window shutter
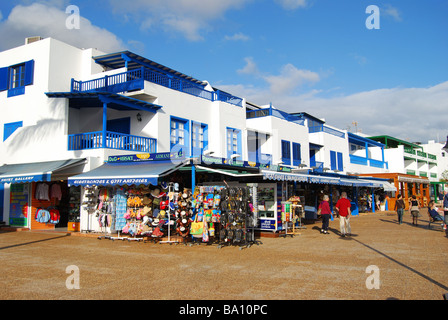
x=29, y=72
x=286, y=152
x=4, y=79
x=296, y=154
x=340, y=162
x=9, y=129
x=333, y=160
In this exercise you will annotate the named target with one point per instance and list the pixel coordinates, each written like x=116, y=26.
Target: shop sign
x=40, y=177
x=267, y=224
x=18, y=207
x=114, y=181
x=146, y=157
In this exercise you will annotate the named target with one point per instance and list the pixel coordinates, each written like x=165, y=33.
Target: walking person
x=399, y=207
x=414, y=208
x=343, y=206
x=325, y=213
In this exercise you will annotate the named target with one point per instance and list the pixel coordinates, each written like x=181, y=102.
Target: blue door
x=312, y=157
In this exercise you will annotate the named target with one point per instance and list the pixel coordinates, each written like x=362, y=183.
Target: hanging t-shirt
x=42, y=191
x=55, y=191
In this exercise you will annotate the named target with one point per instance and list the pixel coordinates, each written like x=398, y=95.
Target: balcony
x=134, y=80
x=368, y=162
x=276, y=113
x=112, y=140
x=323, y=128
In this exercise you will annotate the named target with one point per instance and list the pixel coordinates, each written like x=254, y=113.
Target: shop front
x=404, y=184
x=38, y=196
x=165, y=198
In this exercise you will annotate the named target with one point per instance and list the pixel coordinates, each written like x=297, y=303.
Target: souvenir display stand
x=298, y=211
x=167, y=214
x=235, y=227
x=287, y=219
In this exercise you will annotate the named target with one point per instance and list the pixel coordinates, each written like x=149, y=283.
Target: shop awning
x=232, y=173
x=126, y=173
x=282, y=176
x=324, y=180
x=37, y=171
x=389, y=187
x=412, y=179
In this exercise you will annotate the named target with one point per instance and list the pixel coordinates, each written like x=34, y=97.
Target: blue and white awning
x=134, y=173
x=39, y=171
x=281, y=176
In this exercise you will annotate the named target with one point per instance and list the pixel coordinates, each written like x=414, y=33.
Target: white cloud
x=237, y=37
x=414, y=114
x=250, y=67
x=391, y=11
x=189, y=18
x=290, y=78
x=292, y=4
x=44, y=20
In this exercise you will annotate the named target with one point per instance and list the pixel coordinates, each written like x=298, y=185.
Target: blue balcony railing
x=323, y=128
x=134, y=80
x=276, y=113
x=114, y=140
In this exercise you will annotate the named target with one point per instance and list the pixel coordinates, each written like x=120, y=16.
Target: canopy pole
x=193, y=178
x=104, y=142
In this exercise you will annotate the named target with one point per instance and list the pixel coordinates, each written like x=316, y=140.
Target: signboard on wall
x=18, y=207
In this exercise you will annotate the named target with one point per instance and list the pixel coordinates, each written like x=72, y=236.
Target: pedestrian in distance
x=325, y=213
x=343, y=207
x=399, y=207
x=414, y=209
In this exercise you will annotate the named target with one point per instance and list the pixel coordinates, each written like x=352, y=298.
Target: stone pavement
x=381, y=260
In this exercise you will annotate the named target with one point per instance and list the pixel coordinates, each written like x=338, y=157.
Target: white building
x=66, y=111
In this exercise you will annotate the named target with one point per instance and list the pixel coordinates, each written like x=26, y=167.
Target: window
x=15, y=78
x=296, y=154
x=9, y=129
x=199, y=137
x=286, y=152
x=233, y=142
x=336, y=161
x=179, y=133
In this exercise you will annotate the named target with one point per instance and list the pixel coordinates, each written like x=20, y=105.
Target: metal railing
x=133, y=80
x=326, y=129
x=114, y=140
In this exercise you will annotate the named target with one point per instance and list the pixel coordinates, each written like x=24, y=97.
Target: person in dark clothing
x=432, y=211
x=399, y=207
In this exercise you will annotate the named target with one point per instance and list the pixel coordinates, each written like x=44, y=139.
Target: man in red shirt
x=343, y=207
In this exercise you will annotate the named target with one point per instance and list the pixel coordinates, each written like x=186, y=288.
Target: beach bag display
x=197, y=227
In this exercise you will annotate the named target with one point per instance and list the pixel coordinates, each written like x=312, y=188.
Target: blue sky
x=315, y=56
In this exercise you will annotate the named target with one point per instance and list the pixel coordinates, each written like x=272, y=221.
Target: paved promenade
x=381, y=260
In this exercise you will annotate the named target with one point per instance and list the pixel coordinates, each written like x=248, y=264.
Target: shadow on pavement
x=441, y=285
x=32, y=242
